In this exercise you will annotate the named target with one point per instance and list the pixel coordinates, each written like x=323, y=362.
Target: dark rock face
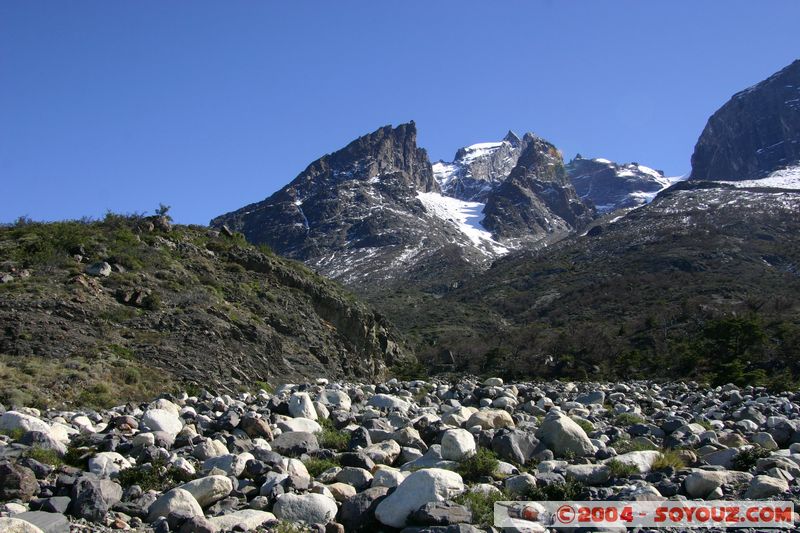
x=537, y=199
x=756, y=132
x=610, y=186
x=17, y=481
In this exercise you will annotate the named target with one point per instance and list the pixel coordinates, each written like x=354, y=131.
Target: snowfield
x=465, y=216
x=787, y=178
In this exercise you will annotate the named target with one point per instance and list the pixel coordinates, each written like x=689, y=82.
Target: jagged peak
x=512, y=138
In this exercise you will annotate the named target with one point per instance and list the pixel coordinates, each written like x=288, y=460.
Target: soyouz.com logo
x=667, y=513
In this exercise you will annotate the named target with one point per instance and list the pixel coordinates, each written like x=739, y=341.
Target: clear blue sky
x=209, y=105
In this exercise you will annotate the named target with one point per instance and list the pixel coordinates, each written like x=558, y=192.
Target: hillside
x=178, y=304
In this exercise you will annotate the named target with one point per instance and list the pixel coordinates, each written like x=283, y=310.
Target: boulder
x=457, y=444
x=208, y=490
x=17, y=482
x=301, y=406
x=175, y=500
x=419, y=488
x=765, y=487
x=295, y=443
x=15, y=525
x=490, y=419
x=162, y=420
x=107, y=464
x=249, y=519
x=310, y=508
x=563, y=436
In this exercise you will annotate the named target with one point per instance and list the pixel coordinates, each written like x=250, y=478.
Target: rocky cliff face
x=611, y=186
x=479, y=168
x=536, y=200
x=755, y=133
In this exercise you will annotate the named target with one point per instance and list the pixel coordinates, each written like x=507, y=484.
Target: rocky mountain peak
x=755, y=133
x=512, y=139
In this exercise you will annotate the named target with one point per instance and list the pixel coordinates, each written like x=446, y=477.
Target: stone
x=765, y=440
x=701, y=483
x=255, y=426
x=93, y=498
x=99, y=269
x=520, y=485
x=357, y=477
x=419, y=488
x=231, y=464
x=383, y=452
x=107, y=464
x=342, y=491
x=295, y=443
x=208, y=448
x=198, y=524
x=249, y=519
x=765, y=487
x=515, y=445
x=643, y=460
x=301, y=406
x=310, y=508
x=17, y=482
x=162, y=420
x=174, y=500
x=589, y=474
x=46, y=522
x=563, y=436
x=387, y=402
x=208, y=490
x=44, y=441
x=490, y=419
x=441, y=514
x=299, y=424
x=357, y=514
x=457, y=445
x=15, y=525
x=15, y=421
x=336, y=399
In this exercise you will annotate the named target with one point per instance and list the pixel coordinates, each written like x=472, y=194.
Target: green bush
x=620, y=469
x=571, y=489
x=627, y=419
x=669, y=459
x=484, y=463
x=482, y=506
x=159, y=475
x=332, y=438
x=48, y=457
x=747, y=459
x=317, y=466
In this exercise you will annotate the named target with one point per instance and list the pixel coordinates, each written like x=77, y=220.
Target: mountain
x=755, y=133
x=611, y=186
x=477, y=169
x=377, y=213
x=128, y=305
x=703, y=282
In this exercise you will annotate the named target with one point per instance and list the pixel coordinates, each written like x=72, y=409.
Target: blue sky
x=207, y=106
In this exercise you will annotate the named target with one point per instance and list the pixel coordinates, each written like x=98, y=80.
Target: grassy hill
x=182, y=304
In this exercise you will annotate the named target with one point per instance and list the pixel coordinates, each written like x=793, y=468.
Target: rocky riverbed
x=412, y=456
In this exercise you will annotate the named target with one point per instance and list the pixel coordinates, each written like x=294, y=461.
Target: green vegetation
x=13, y=434
x=483, y=464
x=627, y=445
x=669, y=459
x=48, y=457
x=628, y=419
x=332, y=438
x=482, y=505
x=571, y=489
x=317, y=466
x=584, y=424
x=747, y=459
x=619, y=469
x=159, y=475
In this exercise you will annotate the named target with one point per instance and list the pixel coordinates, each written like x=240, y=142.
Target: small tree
x=163, y=210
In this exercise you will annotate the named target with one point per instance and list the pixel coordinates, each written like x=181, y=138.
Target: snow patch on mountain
x=465, y=216
x=786, y=178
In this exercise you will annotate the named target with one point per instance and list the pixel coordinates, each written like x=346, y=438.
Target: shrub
x=626, y=445
x=571, y=489
x=628, y=419
x=585, y=425
x=484, y=463
x=14, y=434
x=159, y=476
x=482, y=506
x=332, y=438
x=152, y=302
x=747, y=459
x=44, y=456
x=317, y=466
x=669, y=459
x=620, y=469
